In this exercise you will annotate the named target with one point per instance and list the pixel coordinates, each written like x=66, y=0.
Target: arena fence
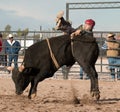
x=35, y=36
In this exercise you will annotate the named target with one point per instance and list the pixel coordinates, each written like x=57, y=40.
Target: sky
x=35, y=13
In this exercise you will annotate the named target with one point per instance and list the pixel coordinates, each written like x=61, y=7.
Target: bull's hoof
x=96, y=95
x=32, y=96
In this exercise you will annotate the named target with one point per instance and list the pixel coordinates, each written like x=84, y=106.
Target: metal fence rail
x=26, y=41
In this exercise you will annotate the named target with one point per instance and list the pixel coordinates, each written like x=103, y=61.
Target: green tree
x=8, y=28
x=25, y=32
x=7, y=31
x=19, y=33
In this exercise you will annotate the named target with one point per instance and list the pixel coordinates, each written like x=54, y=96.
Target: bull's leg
x=33, y=89
x=35, y=81
x=91, y=71
x=94, y=84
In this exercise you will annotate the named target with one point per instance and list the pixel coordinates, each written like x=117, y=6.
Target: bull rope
x=72, y=45
x=52, y=55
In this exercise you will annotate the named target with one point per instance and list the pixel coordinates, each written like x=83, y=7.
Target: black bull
x=39, y=64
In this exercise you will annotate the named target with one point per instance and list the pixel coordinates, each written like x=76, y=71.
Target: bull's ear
x=21, y=68
x=10, y=68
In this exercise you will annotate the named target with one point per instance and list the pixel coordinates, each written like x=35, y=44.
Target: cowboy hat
x=110, y=35
x=10, y=36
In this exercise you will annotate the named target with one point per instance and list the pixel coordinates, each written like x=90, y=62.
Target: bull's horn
x=21, y=68
x=10, y=68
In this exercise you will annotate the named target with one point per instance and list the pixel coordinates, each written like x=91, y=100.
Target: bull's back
x=36, y=54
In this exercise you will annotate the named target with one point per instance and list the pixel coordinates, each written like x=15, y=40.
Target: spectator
x=3, y=56
x=112, y=47
x=12, y=50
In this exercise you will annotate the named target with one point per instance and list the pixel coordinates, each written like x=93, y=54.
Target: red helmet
x=90, y=22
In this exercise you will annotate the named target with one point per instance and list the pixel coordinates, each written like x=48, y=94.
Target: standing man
x=3, y=56
x=113, y=54
x=12, y=50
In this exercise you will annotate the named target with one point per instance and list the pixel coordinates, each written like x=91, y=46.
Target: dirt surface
x=57, y=95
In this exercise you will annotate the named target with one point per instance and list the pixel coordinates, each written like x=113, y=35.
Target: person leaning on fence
x=12, y=50
x=113, y=54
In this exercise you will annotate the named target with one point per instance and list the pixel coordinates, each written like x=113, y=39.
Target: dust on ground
x=58, y=95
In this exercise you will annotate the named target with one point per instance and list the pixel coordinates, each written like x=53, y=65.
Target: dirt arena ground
x=58, y=95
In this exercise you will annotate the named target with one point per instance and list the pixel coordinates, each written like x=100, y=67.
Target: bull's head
x=20, y=80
